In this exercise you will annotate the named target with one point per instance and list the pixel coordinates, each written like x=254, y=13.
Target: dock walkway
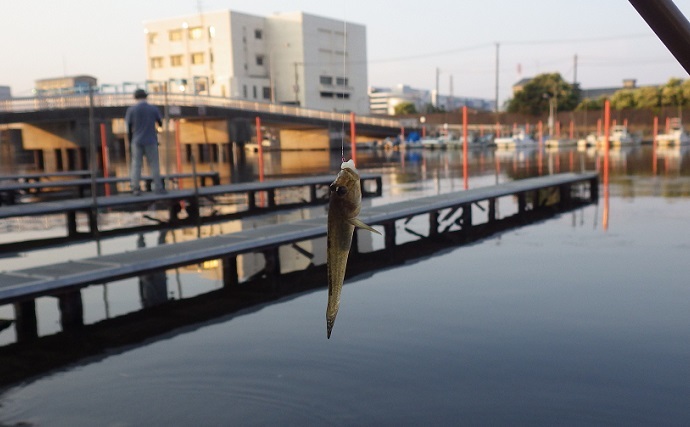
x=64, y=279
x=371, y=186
x=10, y=192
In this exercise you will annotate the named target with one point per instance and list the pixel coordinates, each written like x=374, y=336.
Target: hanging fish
x=344, y=206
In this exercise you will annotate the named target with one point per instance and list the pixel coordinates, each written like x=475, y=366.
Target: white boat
x=561, y=142
x=439, y=142
x=519, y=139
x=675, y=137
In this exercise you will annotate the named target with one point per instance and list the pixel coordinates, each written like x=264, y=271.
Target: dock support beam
x=492, y=209
x=565, y=195
x=389, y=234
x=26, y=324
x=433, y=223
x=594, y=189
x=230, y=278
x=71, y=310
x=71, y=223
x=272, y=268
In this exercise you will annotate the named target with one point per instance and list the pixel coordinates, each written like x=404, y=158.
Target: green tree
x=672, y=93
x=590, y=104
x=623, y=99
x=405, y=108
x=647, y=97
x=535, y=97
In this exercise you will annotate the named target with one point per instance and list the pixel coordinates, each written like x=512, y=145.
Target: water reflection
x=153, y=287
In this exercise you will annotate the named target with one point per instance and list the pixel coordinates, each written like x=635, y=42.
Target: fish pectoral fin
x=358, y=223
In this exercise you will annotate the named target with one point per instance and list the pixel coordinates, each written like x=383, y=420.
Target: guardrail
x=33, y=104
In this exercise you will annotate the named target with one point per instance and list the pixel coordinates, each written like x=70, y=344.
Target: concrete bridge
x=57, y=130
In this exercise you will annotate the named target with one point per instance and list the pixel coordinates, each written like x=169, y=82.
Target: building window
x=176, y=61
x=195, y=33
x=259, y=60
x=267, y=92
x=153, y=38
x=339, y=95
x=157, y=62
x=341, y=81
x=258, y=34
x=211, y=32
x=326, y=94
x=175, y=35
x=326, y=80
x=197, y=58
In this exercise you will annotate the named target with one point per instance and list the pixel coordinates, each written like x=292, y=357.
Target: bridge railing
x=31, y=104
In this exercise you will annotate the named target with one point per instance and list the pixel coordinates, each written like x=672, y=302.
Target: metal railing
x=35, y=104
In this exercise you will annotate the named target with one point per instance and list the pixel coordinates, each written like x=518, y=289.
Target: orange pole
x=353, y=137
x=655, y=129
x=498, y=130
x=625, y=122
x=464, y=148
x=572, y=130
x=259, y=140
x=527, y=127
x=540, y=156
x=605, y=219
x=104, y=154
x=481, y=130
x=598, y=127
x=668, y=125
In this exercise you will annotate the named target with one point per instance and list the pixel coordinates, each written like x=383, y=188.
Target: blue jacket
x=141, y=120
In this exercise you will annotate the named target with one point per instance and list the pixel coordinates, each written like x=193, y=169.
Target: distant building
x=291, y=58
x=384, y=100
x=64, y=85
x=5, y=92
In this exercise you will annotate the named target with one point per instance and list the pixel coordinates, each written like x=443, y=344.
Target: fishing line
x=343, y=79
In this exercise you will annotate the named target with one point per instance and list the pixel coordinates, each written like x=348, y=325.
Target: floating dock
x=64, y=280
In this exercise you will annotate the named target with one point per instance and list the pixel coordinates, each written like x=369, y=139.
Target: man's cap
x=140, y=94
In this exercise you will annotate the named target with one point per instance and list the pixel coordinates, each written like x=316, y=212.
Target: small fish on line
x=344, y=205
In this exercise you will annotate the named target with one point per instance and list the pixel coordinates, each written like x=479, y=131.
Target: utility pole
x=575, y=70
x=497, y=47
x=438, y=73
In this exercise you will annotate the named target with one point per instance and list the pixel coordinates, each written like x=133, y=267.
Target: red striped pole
x=465, y=178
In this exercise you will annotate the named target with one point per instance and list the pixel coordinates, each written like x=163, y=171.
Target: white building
x=384, y=100
x=291, y=58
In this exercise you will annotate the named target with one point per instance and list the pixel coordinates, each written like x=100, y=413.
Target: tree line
x=536, y=96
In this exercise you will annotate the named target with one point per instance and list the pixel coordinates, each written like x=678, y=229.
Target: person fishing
x=141, y=120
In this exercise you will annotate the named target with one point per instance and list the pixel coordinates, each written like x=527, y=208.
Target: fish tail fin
x=358, y=223
x=329, y=327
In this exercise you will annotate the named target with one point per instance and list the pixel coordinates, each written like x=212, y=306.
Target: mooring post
x=492, y=209
x=230, y=278
x=522, y=202
x=389, y=234
x=312, y=193
x=271, y=197
x=25, y=323
x=251, y=200
x=71, y=223
x=433, y=223
x=565, y=195
x=71, y=310
x=466, y=218
x=272, y=268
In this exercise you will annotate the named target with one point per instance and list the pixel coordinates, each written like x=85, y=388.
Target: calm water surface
x=579, y=320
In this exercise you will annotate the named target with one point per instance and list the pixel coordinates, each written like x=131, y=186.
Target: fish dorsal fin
x=358, y=223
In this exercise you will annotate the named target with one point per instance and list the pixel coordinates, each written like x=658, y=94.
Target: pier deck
x=172, y=199
x=64, y=279
x=24, y=184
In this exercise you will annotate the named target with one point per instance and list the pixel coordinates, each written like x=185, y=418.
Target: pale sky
x=406, y=40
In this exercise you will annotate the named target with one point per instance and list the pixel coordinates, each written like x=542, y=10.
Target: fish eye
x=341, y=191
